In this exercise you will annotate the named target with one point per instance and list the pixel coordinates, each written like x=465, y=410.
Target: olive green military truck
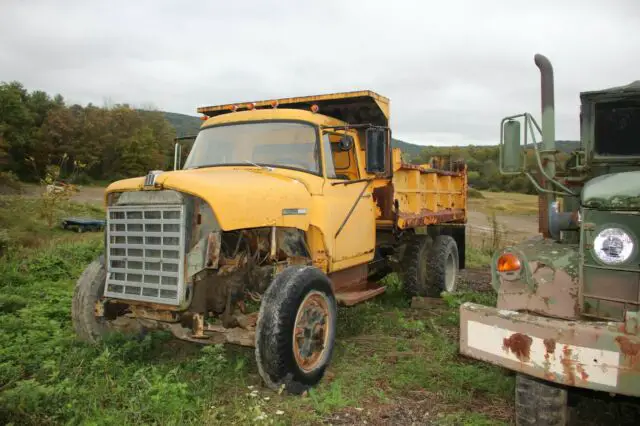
x=567, y=315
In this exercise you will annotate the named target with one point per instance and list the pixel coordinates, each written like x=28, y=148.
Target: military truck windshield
x=278, y=144
x=617, y=128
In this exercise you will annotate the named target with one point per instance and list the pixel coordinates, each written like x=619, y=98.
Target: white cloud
x=452, y=70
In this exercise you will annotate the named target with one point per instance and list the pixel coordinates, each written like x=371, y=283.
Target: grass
x=507, y=203
x=22, y=219
x=389, y=358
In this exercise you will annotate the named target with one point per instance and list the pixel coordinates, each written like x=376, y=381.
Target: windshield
x=617, y=128
x=279, y=144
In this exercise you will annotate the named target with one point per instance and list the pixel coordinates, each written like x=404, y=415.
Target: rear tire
x=430, y=266
x=414, y=267
x=539, y=403
x=443, y=264
x=297, y=363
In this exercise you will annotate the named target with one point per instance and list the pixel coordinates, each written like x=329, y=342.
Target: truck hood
x=239, y=198
x=613, y=191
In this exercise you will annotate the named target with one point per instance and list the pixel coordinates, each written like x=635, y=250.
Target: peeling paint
x=550, y=345
x=519, y=344
x=630, y=350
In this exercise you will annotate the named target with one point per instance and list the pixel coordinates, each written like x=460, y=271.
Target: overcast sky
x=451, y=69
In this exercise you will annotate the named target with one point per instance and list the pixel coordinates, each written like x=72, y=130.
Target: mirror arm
x=541, y=189
x=528, y=120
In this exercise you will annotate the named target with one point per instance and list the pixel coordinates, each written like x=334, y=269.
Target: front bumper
x=585, y=354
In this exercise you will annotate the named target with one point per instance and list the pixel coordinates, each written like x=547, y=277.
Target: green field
x=391, y=362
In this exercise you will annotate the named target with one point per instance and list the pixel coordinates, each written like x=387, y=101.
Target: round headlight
x=613, y=246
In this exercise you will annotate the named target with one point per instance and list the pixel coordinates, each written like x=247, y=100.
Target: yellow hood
x=239, y=197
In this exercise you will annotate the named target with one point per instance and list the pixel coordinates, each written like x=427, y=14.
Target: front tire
x=296, y=329
x=89, y=287
x=539, y=403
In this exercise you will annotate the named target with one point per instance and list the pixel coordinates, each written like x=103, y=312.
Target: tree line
x=113, y=142
x=483, y=166
x=103, y=143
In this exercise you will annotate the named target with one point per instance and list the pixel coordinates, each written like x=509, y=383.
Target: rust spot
x=519, y=344
x=567, y=366
x=429, y=217
x=213, y=250
x=583, y=374
x=631, y=350
x=550, y=345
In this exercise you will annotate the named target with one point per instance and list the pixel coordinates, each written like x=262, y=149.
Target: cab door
x=349, y=205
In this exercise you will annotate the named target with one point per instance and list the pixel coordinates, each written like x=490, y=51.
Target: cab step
x=350, y=298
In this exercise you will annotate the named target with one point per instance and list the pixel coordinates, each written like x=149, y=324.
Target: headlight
x=613, y=246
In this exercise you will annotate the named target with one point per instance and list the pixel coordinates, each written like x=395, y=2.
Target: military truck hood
x=239, y=198
x=619, y=191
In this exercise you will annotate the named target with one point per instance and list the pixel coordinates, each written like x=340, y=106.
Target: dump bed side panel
x=426, y=195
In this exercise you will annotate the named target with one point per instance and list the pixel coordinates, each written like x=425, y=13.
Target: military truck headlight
x=613, y=246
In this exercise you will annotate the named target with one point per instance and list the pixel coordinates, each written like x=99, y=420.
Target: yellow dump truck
x=282, y=210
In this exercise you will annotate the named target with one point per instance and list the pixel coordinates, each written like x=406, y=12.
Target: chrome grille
x=145, y=246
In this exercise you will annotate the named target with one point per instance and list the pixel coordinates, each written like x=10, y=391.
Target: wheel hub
x=450, y=273
x=311, y=331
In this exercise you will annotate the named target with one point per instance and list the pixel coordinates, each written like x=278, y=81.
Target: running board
x=350, y=298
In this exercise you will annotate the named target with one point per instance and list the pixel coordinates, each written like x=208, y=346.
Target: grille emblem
x=150, y=179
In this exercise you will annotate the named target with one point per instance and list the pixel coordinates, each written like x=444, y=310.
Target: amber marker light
x=274, y=104
x=314, y=108
x=203, y=117
x=251, y=106
x=508, y=262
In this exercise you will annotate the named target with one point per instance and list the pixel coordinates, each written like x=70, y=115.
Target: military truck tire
x=88, y=289
x=443, y=264
x=539, y=403
x=299, y=299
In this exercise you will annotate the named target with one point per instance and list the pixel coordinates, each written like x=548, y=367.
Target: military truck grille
x=145, y=246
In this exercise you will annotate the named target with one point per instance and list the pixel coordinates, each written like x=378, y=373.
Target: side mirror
x=346, y=142
x=377, y=150
x=510, y=150
x=177, y=156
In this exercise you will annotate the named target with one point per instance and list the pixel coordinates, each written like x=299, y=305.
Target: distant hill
x=187, y=125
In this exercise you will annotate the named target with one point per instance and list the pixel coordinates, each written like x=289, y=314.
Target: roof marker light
x=314, y=108
x=274, y=104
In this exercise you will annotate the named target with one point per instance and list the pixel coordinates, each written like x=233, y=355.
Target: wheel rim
x=450, y=273
x=311, y=331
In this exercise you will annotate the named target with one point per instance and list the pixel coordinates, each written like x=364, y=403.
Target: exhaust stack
x=547, y=153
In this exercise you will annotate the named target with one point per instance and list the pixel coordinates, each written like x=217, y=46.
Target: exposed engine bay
x=247, y=262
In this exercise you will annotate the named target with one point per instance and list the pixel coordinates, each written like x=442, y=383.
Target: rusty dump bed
x=424, y=194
